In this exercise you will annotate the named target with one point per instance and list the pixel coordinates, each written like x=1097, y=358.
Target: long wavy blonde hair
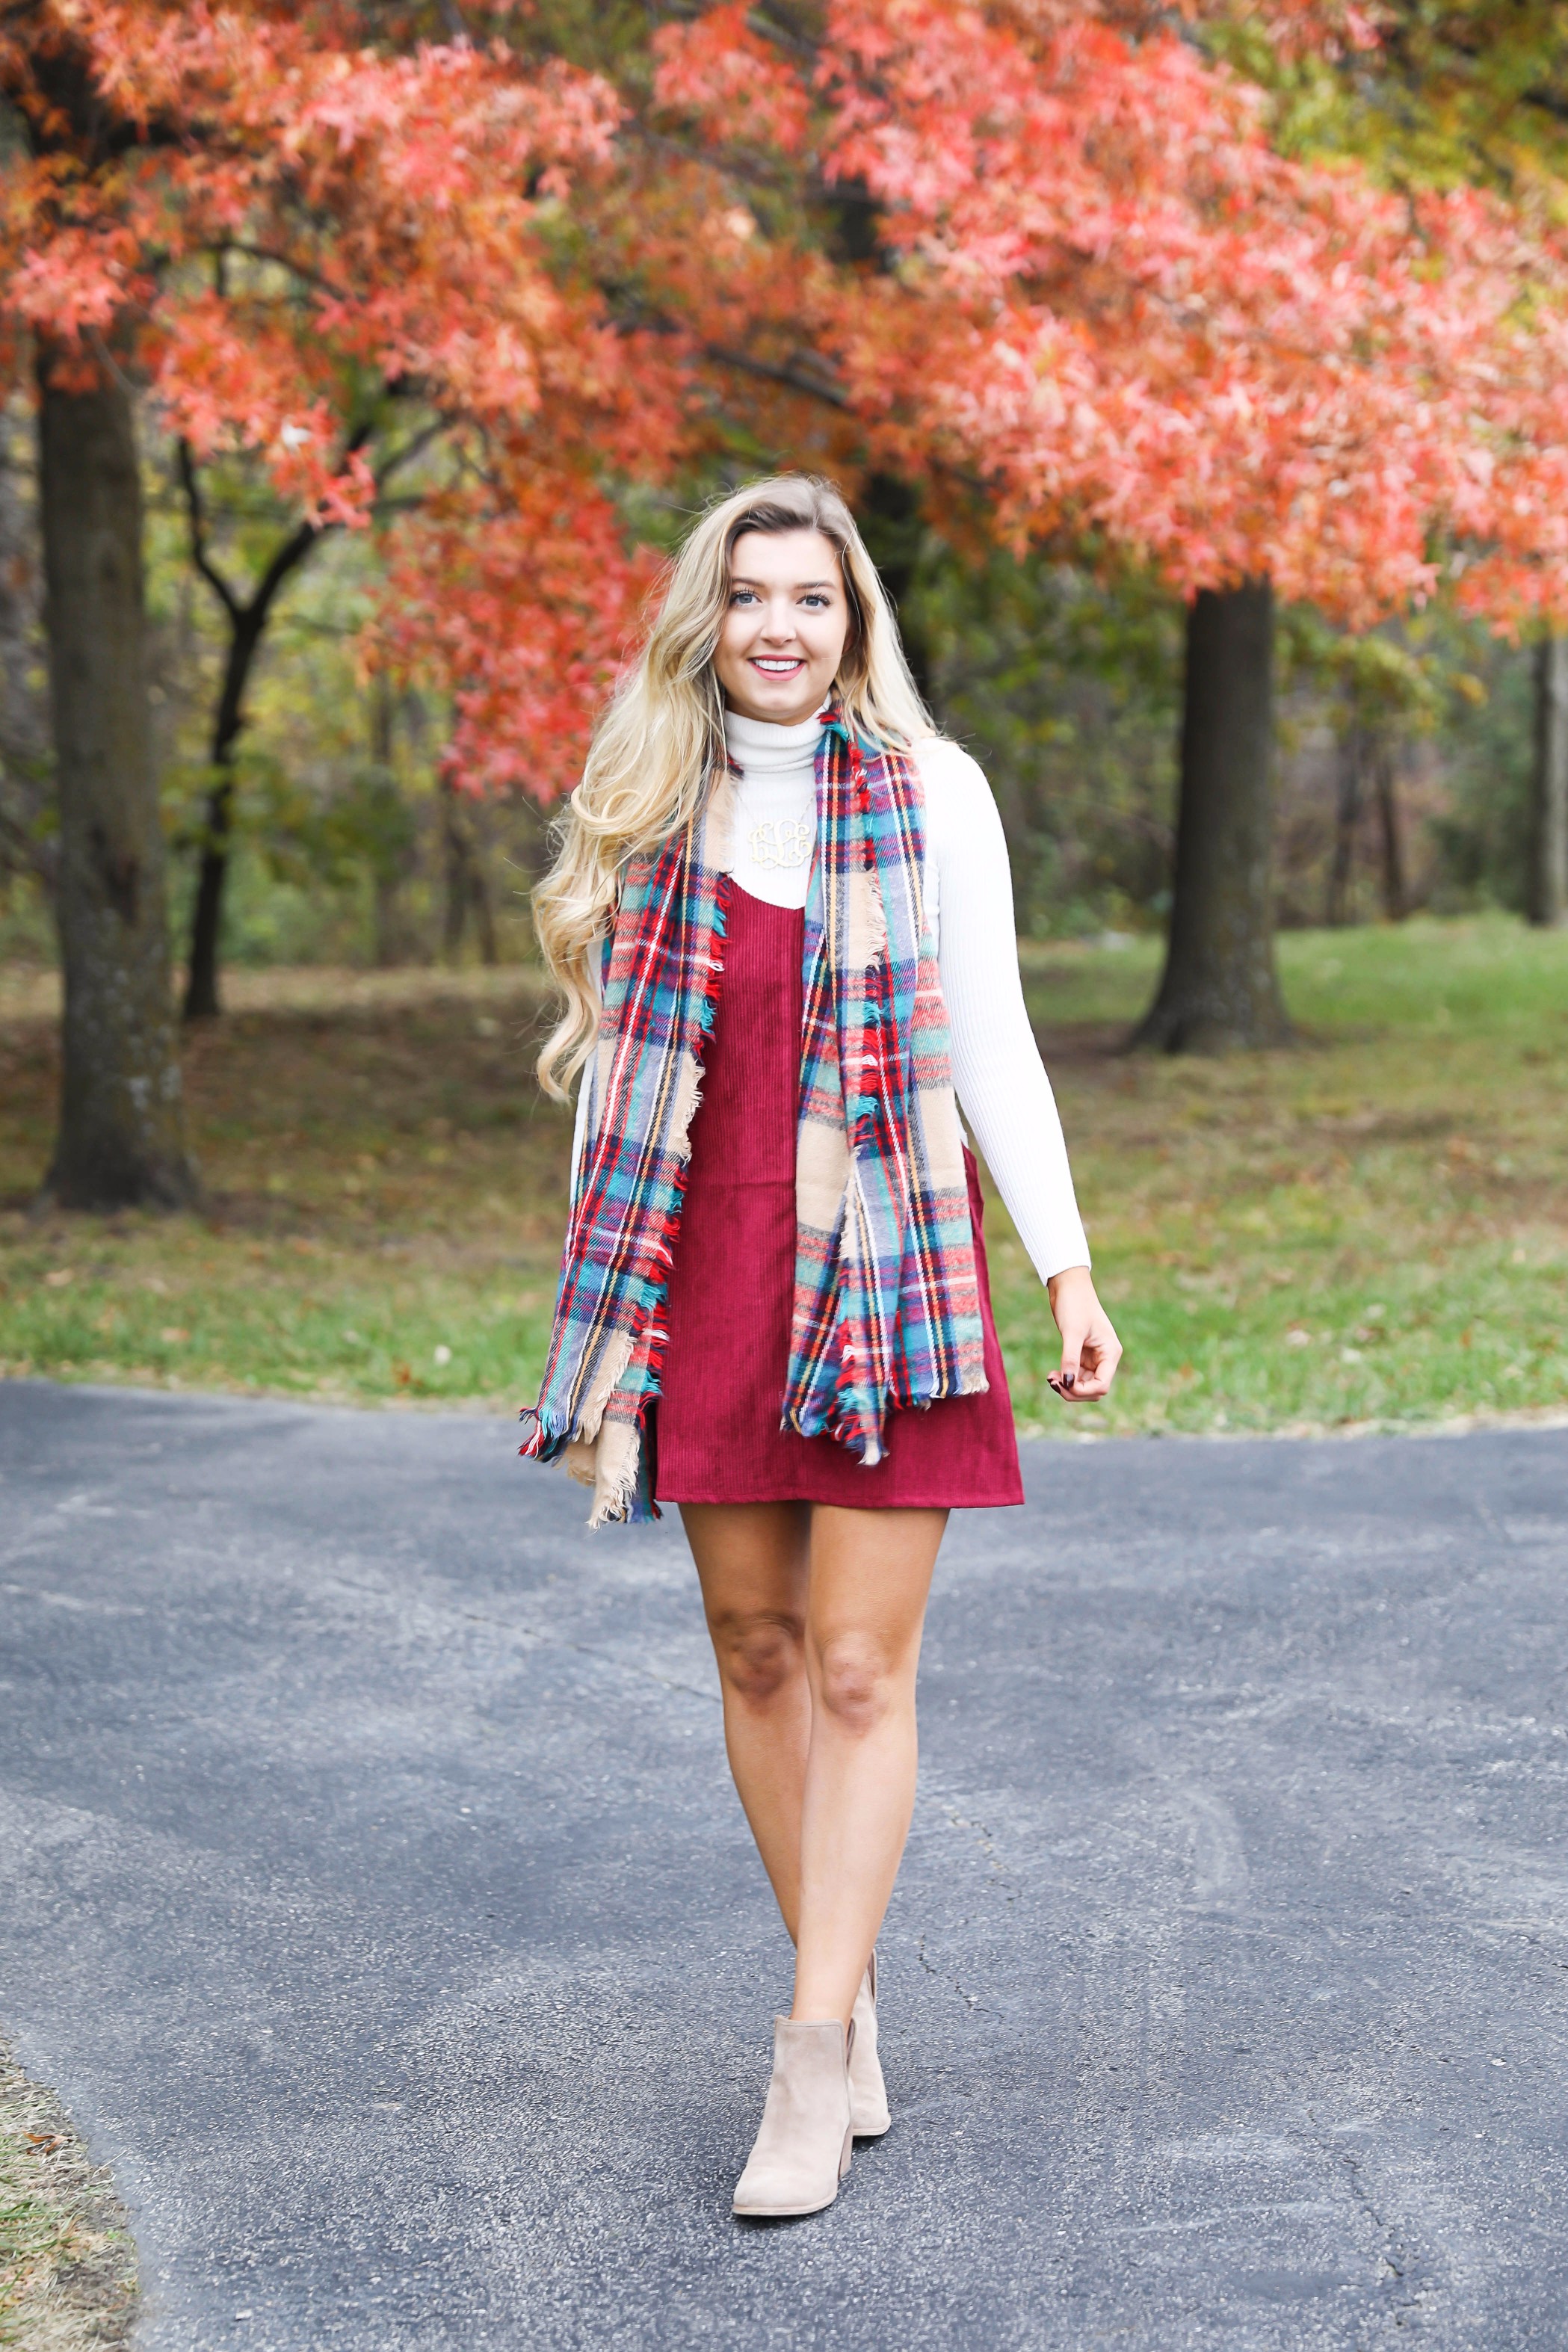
x=660, y=744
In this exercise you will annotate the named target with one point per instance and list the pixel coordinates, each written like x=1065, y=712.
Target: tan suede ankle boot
x=802, y=2152
x=867, y=2094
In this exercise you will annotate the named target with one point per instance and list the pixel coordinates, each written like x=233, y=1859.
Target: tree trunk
x=24, y=763
x=385, y=877
x=484, y=912
x=894, y=528
x=247, y=618
x=1547, y=895
x=121, y=1140
x=1391, y=828
x=387, y=929
x=202, y=1002
x=468, y=889
x=207, y=917
x=454, y=876
x=1347, y=817
x=1219, y=987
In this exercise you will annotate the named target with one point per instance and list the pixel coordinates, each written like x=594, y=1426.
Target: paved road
x=376, y=1898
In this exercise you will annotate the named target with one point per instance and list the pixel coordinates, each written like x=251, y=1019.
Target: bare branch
x=291, y=552
x=783, y=36
x=108, y=362
x=196, y=512
x=734, y=163
x=286, y=556
x=793, y=379
x=299, y=269
x=410, y=450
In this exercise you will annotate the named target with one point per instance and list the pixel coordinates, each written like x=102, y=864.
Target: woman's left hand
x=1090, y=1349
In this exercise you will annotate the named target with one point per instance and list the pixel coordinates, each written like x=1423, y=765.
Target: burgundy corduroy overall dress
x=717, y=1431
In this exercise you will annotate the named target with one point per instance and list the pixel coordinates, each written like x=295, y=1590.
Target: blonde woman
x=781, y=920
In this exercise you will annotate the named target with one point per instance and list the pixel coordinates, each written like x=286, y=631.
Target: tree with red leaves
x=1106, y=296
x=289, y=242
x=1040, y=259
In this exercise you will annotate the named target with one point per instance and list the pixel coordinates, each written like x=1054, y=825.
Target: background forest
x=1200, y=381
x=1064, y=679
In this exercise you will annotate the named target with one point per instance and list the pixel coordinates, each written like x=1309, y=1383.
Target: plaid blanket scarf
x=886, y=1307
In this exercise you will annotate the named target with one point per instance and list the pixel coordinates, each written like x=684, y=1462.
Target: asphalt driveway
x=375, y=1897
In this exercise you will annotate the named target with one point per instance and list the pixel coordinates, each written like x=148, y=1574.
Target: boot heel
x=848, y=2152
x=867, y=2094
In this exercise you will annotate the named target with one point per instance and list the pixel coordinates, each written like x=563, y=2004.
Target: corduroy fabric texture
x=886, y=1307
x=717, y=1437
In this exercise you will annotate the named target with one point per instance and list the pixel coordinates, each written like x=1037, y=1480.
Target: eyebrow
x=744, y=580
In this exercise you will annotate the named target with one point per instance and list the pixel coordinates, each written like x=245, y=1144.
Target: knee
x=857, y=1683
x=760, y=1656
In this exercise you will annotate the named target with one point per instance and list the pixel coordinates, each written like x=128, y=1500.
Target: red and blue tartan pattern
x=886, y=1304
x=660, y=991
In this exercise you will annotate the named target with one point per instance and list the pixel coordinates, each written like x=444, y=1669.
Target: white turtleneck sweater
x=997, y=1074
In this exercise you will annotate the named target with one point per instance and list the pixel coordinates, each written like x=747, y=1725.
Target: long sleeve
x=997, y=1073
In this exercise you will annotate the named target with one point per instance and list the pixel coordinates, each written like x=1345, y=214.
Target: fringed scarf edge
x=602, y=1447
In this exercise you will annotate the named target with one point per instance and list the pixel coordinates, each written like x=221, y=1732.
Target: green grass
x=386, y=1194
x=1371, y=1228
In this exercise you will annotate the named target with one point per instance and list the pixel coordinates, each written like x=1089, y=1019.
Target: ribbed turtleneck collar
x=760, y=749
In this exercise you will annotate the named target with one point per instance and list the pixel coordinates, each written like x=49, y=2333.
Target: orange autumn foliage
x=1095, y=300
x=1107, y=297
x=285, y=232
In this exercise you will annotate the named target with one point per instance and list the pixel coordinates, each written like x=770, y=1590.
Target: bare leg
x=870, y=1574
x=815, y=1616
x=753, y=1566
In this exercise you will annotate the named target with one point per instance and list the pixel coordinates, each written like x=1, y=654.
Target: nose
x=779, y=627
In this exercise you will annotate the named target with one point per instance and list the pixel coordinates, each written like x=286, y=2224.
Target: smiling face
x=786, y=626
